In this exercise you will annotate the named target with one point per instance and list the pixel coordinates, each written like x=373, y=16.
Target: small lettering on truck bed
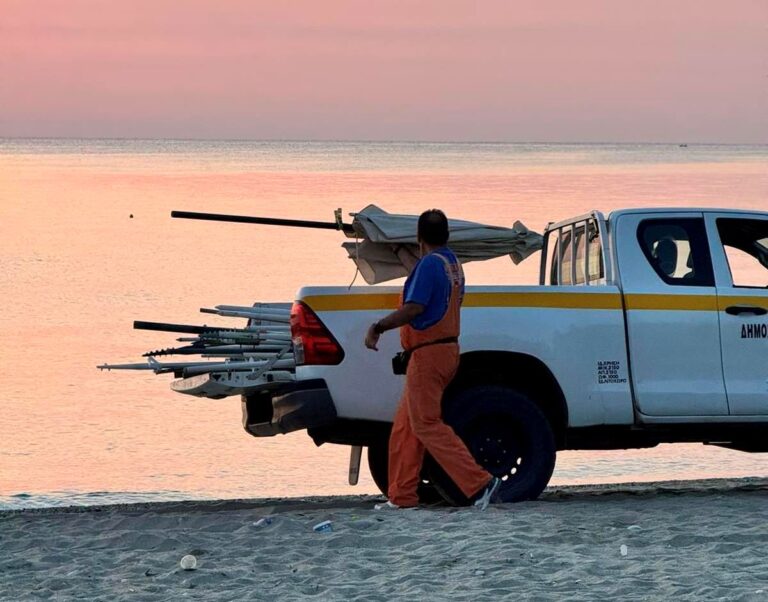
x=608, y=372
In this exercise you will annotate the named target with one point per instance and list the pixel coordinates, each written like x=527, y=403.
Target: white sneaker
x=486, y=498
x=386, y=506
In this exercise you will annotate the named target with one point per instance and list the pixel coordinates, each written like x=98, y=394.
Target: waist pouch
x=400, y=361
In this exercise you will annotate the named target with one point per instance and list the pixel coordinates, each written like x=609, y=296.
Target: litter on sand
x=324, y=527
x=188, y=562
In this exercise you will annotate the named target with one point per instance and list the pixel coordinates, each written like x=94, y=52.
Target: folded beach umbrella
x=381, y=238
x=378, y=235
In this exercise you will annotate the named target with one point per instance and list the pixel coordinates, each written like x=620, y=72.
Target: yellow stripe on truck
x=727, y=301
x=353, y=302
x=546, y=300
x=599, y=301
x=691, y=302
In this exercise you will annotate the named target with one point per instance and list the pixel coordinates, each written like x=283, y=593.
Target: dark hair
x=433, y=227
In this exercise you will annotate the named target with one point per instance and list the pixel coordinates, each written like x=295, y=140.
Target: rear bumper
x=299, y=405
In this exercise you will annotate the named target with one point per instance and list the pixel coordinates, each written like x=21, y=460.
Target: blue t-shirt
x=429, y=285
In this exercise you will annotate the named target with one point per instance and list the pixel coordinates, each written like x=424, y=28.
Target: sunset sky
x=558, y=70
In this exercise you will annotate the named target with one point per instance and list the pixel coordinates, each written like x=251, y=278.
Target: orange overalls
x=418, y=423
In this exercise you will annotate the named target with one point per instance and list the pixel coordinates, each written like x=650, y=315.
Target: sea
x=88, y=246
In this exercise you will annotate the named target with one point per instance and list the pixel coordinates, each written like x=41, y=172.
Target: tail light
x=312, y=342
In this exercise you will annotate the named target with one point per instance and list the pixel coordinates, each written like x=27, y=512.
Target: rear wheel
x=378, y=463
x=507, y=434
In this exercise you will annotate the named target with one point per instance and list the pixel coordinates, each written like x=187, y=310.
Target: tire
x=507, y=434
x=378, y=464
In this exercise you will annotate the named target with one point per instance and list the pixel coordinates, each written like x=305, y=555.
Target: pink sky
x=557, y=70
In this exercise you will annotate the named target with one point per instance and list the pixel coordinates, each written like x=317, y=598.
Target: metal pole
x=544, y=256
x=573, y=254
x=185, y=328
x=586, y=251
x=267, y=221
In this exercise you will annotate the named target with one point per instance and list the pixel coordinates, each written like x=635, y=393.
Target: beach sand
x=697, y=540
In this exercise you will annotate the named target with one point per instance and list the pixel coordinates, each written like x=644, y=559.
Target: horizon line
x=381, y=141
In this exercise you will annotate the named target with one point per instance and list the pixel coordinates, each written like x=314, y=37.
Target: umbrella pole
x=267, y=221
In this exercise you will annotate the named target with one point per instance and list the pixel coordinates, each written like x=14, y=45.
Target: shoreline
x=321, y=502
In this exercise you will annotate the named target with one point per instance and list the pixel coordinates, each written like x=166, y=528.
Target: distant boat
x=683, y=145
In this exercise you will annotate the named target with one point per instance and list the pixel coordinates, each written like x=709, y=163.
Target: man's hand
x=372, y=338
x=394, y=320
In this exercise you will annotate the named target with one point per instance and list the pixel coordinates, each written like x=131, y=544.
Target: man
x=428, y=319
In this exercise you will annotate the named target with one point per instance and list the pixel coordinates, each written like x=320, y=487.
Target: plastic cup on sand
x=324, y=527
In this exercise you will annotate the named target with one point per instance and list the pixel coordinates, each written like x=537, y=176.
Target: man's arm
x=396, y=319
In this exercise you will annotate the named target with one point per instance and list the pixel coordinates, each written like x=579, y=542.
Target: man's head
x=433, y=228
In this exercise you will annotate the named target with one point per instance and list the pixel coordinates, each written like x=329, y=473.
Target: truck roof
x=595, y=214
x=619, y=212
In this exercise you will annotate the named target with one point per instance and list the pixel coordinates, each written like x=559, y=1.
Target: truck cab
x=693, y=289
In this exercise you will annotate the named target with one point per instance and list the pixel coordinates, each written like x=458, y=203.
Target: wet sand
x=650, y=541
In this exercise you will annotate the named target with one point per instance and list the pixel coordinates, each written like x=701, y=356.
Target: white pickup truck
x=648, y=326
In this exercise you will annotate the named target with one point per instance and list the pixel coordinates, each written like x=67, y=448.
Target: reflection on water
x=76, y=270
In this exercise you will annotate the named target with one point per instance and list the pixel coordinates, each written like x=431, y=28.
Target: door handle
x=736, y=310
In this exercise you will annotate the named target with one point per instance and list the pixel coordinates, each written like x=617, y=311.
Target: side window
x=677, y=250
x=745, y=242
